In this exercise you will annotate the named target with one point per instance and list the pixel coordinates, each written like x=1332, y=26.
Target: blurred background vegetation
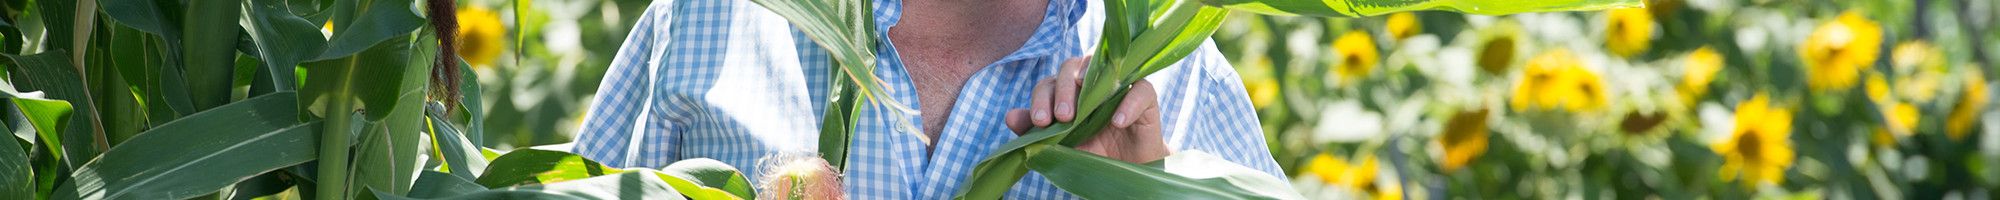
x=1685, y=98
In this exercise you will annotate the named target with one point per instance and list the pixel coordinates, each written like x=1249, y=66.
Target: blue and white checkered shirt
x=731, y=81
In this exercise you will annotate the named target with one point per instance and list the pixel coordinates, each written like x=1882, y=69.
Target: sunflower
x=1971, y=102
x=1640, y=123
x=1555, y=80
x=1838, y=50
x=1357, y=56
x=1900, y=118
x=1353, y=175
x=1263, y=91
x=1759, y=148
x=1921, y=68
x=1698, y=70
x=1877, y=88
x=1496, y=54
x=1910, y=55
x=1629, y=31
x=1403, y=25
x=479, y=36
x=1464, y=139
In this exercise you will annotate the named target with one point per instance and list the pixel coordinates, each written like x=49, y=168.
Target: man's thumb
x=1017, y=120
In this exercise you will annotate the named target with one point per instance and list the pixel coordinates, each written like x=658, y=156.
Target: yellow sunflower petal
x=1629, y=32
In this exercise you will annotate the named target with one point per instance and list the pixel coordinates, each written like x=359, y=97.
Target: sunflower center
x=1497, y=54
x=1747, y=144
x=1353, y=63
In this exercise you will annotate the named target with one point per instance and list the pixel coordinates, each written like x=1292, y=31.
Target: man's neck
x=944, y=42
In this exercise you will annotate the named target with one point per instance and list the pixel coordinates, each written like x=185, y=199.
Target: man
x=729, y=80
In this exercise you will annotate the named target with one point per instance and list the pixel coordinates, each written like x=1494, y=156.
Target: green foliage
x=196, y=155
x=234, y=99
x=17, y=179
x=846, y=28
x=709, y=173
x=1140, y=37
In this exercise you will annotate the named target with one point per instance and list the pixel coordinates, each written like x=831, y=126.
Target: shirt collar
x=1055, y=33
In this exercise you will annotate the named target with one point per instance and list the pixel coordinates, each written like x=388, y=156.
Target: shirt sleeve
x=618, y=123
x=1203, y=106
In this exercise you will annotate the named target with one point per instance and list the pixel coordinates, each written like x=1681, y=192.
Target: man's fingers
x=1017, y=120
x=1100, y=145
x=1066, y=86
x=1039, y=110
x=1147, y=135
x=1139, y=100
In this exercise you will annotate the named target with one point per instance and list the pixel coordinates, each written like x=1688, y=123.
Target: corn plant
x=325, y=99
x=846, y=28
x=1140, y=37
x=1143, y=36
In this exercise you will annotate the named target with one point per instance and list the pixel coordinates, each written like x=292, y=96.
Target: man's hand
x=1134, y=134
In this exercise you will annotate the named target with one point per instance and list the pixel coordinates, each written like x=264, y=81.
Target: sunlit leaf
x=638, y=184
x=201, y=153
x=534, y=166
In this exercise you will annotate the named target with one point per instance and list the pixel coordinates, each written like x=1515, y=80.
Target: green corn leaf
x=839, y=120
x=52, y=73
x=535, y=166
x=200, y=153
x=433, y=184
x=710, y=173
x=1086, y=175
x=993, y=176
x=846, y=28
x=17, y=179
x=698, y=178
x=637, y=184
x=372, y=21
x=10, y=38
x=1140, y=37
x=1179, y=39
x=1357, y=8
x=50, y=166
x=697, y=191
x=144, y=15
x=209, y=50
x=471, y=104
x=132, y=58
x=284, y=40
x=266, y=184
x=119, y=109
x=58, y=19
x=49, y=118
x=460, y=156
x=386, y=160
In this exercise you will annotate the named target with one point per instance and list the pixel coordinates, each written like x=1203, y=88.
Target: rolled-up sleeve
x=618, y=124
x=1205, y=107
